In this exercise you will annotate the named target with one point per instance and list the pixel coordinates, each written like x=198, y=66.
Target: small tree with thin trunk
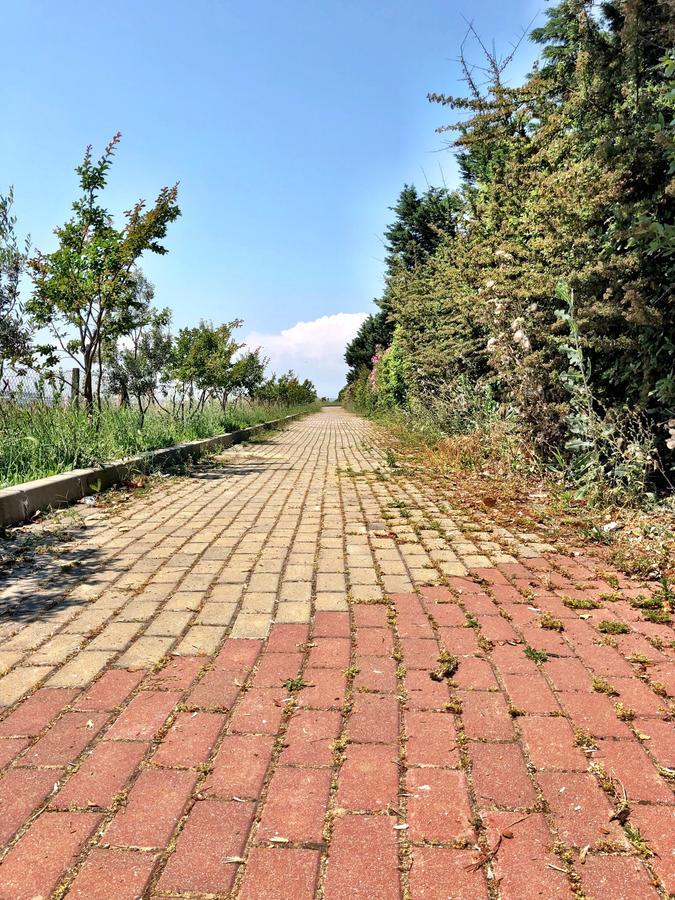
x=134, y=364
x=85, y=292
x=203, y=362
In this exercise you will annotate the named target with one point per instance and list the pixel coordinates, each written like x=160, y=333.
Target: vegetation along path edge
x=20, y=502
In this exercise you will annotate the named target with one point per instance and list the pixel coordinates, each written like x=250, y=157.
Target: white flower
x=670, y=427
x=491, y=345
x=519, y=337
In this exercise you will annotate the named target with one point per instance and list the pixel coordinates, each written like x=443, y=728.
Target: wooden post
x=75, y=387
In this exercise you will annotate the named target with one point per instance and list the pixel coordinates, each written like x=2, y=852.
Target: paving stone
x=475, y=674
x=145, y=652
x=154, y=805
x=435, y=868
x=658, y=738
x=309, y=738
x=628, y=762
x=267, y=869
x=20, y=681
x=368, y=778
x=438, y=806
x=170, y=623
x=218, y=689
x=82, y=669
x=22, y=791
x=486, y=716
x=123, y=874
x=374, y=719
x=239, y=766
x=618, y=877
x=259, y=711
x=580, y=809
x=500, y=776
x=532, y=695
x=294, y=612
x=177, y=674
x=190, y=739
x=101, y=775
x=67, y=738
x=657, y=825
x=115, y=636
x=595, y=713
x=363, y=861
x=177, y=565
x=329, y=653
x=296, y=805
x=325, y=689
x=56, y=650
x=277, y=668
x=537, y=878
x=201, y=639
x=144, y=716
x=215, y=831
x=34, y=713
x=331, y=624
x=251, y=626
x=550, y=742
x=34, y=866
x=432, y=740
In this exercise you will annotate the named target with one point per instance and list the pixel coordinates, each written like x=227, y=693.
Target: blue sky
x=291, y=126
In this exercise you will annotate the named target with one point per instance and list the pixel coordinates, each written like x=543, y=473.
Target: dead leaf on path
x=583, y=853
x=234, y=859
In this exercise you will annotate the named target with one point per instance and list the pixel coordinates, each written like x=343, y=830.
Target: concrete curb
x=21, y=501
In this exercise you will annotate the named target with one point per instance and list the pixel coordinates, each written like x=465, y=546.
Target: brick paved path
x=241, y=684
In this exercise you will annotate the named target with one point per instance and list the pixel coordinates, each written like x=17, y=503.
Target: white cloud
x=314, y=350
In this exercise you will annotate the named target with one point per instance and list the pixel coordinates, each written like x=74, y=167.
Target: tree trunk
x=88, y=386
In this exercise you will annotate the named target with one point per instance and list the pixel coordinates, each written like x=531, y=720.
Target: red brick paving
x=155, y=804
x=363, y=859
x=101, y=775
x=272, y=872
x=214, y=833
x=368, y=779
x=122, y=874
x=434, y=869
x=210, y=776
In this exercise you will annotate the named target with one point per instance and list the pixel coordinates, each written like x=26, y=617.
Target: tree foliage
x=14, y=333
x=566, y=180
x=85, y=292
x=134, y=362
x=287, y=390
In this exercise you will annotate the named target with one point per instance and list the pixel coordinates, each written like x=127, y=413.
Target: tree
x=135, y=362
x=375, y=331
x=566, y=179
x=420, y=223
x=15, y=345
x=203, y=361
x=287, y=390
x=249, y=373
x=85, y=291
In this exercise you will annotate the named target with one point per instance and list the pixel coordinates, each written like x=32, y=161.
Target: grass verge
x=39, y=440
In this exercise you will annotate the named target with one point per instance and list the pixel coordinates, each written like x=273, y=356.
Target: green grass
x=38, y=440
